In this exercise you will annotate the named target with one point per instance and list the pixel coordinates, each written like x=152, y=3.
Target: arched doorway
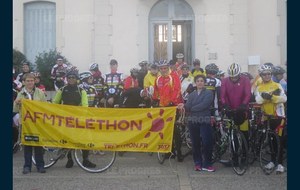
x=164, y=43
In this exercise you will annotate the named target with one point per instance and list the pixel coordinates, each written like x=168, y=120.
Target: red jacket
x=167, y=89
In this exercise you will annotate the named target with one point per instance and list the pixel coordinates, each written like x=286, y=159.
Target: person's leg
x=38, y=154
x=27, y=159
x=70, y=162
x=196, y=142
x=86, y=162
x=207, y=144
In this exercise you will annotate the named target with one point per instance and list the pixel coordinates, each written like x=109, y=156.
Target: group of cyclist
x=172, y=83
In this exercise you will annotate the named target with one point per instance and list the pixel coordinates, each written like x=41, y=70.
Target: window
x=163, y=33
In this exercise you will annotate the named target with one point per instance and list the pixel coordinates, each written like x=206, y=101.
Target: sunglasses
x=265, y=74
x=72, y=77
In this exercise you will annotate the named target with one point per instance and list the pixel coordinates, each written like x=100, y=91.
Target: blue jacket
x=198, y=106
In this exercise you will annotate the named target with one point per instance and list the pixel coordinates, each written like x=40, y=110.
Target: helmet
x=211, y=69
x=153, y=66
x=26, y=63
x=94, y=67
x=179, y=55
x=277, y=70
x=248, y=75
x=143, y=63
x=220, y=73
x=84, y=75
x=171, y=62
x=234, y=70
x=196, y=62
x=37, y=74
x=162, y=63
x=185, y=66
x=264, y=68
x=134, y=70
x=113, y=62
x=269, y=64
x=59, y=57
x=72, y=71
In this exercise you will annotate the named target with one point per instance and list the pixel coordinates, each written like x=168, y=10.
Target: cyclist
x=167, y=90
x=187, y=82
x=271, y=96
x=213, y=84
x=131, y=96
x=142, y=73
x=278, y=77
x=236, y=94
x=19, y=78
x=113, y=85
x=72, y=94
x=37, y=82
x=221, y=75
x=98, y=82
x=179, y=63
x=197, y=70
x=29, y=91
x=86, y=82
x=58, y=73
x=149, y=81
x=198, y=106
x=258, y=80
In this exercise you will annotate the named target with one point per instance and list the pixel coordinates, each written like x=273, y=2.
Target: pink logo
x=157, y=124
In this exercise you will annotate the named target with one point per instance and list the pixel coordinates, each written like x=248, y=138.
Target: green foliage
x=44, y=63
x=18, y=59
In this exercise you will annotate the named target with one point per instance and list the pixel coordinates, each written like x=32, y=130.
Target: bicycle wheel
x=50, y=156
x=239, y=152
x=254, y=147
x=161, y=157
x=102, y=159
x=269, y=151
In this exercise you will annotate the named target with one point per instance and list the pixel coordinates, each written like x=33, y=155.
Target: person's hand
x=242, y=107
x=279, y=129
x=171, y=104
x=18, y=101
x=110, y=101
x=266, y=96
x=180, y=106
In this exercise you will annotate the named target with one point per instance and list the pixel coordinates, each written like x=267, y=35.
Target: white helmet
x=234, y=70
x=264, y=68
x=84, y=75
x=94, y=67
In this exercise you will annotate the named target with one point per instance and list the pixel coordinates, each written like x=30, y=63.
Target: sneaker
x=279, y=169
x=41, y=170
x=209, y=169
x=197, y=168
x=69, y=164
x=26, y=170
x=270, y=166
x=88, y=164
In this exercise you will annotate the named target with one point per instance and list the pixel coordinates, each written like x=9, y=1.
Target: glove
x=266, y=96
x=276, y=92
x=242, y=107
x=226, y=107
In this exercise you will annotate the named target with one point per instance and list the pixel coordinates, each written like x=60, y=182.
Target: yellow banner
x=115, y=129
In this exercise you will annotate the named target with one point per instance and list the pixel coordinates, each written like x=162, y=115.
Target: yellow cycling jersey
x=149, y=79
x=275, y=105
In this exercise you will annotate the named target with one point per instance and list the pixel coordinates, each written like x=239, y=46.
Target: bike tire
x=254, y=147
x=102, y=159
x=267, y=149
x=161, y=157
x=239, y=152
x=50, y=156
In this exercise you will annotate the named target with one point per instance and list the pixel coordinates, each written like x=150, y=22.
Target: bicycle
x=270, y=144
x=102, y=159
x=229, y=138
x=186, y=149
